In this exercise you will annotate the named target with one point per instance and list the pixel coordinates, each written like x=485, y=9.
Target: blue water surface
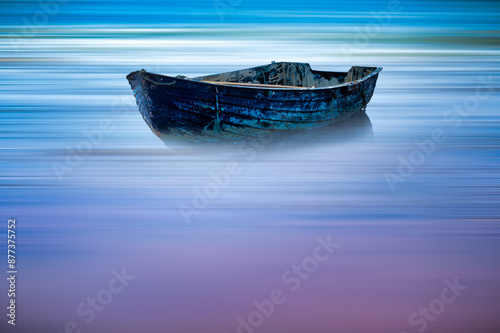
x=411, y=193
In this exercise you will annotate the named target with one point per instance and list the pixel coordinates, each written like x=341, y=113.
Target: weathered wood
x=253, y=84
x=275, y=97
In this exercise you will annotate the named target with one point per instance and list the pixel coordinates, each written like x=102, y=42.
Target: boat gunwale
x=271, y=87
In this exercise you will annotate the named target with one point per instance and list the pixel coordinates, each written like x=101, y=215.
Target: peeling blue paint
x=275, y=97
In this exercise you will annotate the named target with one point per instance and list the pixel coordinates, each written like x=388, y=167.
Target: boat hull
x=197, y=109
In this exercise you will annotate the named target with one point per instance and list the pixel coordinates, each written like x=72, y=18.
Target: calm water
x=409, y=193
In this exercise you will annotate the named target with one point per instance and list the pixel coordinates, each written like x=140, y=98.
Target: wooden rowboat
x=277, y=97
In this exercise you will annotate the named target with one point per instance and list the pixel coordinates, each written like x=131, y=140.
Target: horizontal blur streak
x=415, y=13
x=117, y=205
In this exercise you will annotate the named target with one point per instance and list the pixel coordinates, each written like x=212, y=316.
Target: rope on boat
x=143, y=74
x=216, y=121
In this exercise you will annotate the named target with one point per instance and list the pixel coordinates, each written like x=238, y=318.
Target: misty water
x=409, y=192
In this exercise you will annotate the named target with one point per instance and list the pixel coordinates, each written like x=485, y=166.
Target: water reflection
x=355, y=126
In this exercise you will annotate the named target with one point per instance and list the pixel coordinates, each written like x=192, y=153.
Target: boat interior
x=288, y=75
